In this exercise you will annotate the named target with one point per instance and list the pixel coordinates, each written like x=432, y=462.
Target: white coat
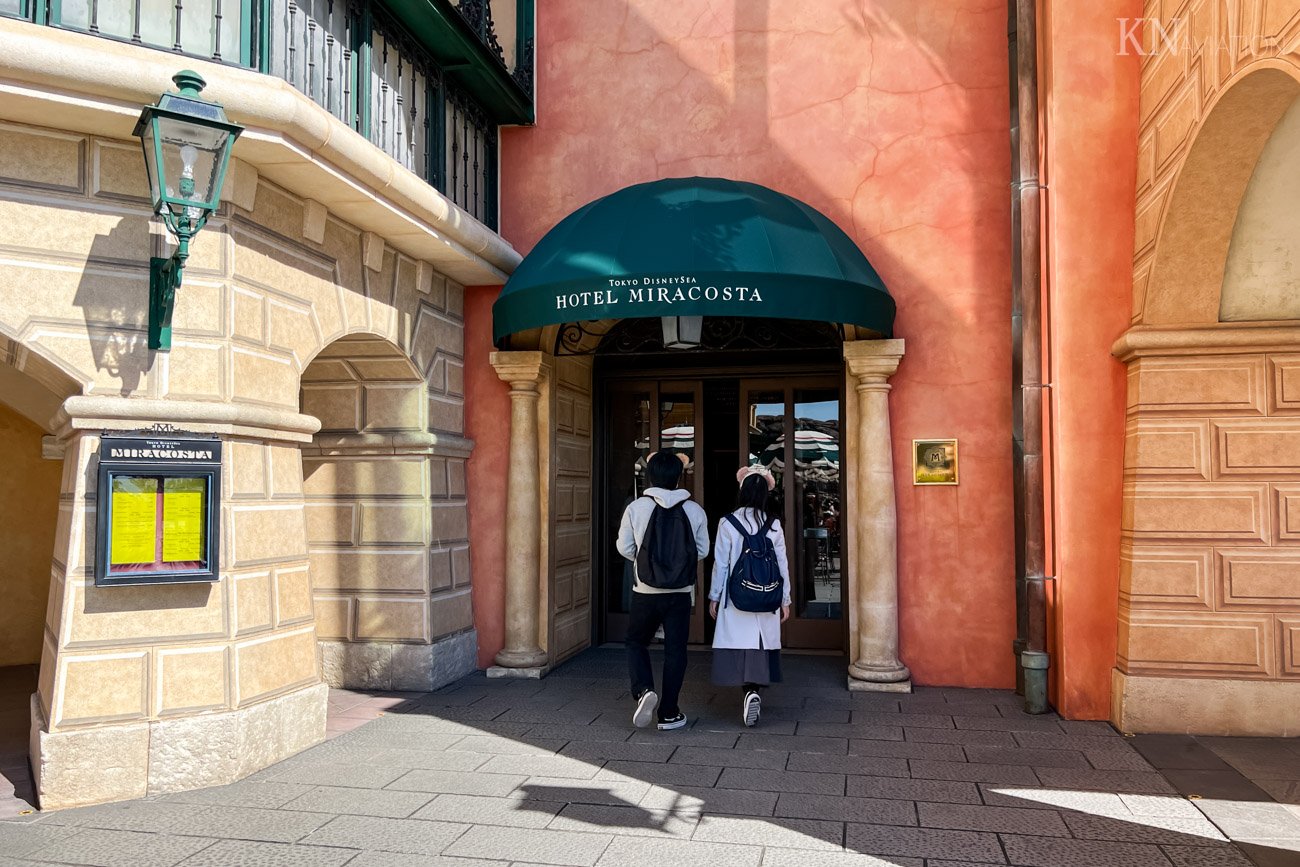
x=745, y=630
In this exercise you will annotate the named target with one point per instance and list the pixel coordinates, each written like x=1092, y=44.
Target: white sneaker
x=646, y=706
x=750, y=708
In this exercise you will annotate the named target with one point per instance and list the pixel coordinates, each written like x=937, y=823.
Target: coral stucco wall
x=890, y=116
x=1090, y=170
x=487, y=422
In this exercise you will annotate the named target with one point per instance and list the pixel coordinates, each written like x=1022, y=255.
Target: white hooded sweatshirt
x=636, y=517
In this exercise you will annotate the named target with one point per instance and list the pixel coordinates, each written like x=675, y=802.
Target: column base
x=856, y=685
x=894, y=672
x=534, y=672
x=532, y=658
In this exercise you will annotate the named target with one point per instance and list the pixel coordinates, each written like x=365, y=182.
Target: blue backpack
x=755, y=581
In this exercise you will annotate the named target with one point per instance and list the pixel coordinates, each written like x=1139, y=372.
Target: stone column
x=522, y=655
x=876, y=666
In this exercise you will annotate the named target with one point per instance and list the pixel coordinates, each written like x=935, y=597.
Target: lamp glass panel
x=669, y=324
x=191, y=152
x=682, y=332
x=151, y=166
x=690, y=329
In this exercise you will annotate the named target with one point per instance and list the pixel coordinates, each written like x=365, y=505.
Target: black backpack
x=755, y=581
x=667, y=557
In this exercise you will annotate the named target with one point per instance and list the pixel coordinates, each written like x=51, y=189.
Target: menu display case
x=158, y=515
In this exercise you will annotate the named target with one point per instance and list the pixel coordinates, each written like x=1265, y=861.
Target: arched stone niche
x=1192, y=246
x=1262, y=278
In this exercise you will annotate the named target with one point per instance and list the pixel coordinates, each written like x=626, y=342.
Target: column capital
x=520, y=367
x=870, y=360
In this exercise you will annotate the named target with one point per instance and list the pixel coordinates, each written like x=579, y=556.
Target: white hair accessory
x=757, y=470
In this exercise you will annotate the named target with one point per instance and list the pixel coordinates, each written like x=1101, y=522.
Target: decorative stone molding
x=89, y=412
x=372, y=251
x=873, y=588
x=241, y=185
x=400, y=443
x=525, y=372
x=314, y=215
x=1224, y=339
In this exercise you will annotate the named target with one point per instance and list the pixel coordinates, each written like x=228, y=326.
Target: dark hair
x=663, y=470
x=753, y=496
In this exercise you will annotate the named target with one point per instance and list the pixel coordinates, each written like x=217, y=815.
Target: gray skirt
x=741, y=667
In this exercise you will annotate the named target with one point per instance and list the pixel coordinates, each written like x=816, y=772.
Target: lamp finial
x=189, y=82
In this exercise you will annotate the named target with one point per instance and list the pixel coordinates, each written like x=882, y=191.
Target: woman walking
x=746, y=643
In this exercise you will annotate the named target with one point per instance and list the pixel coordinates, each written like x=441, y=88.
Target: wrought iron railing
x=219, y=30
x=406, y=90
x=312, y=44
x=352, y=57
x=470, y=158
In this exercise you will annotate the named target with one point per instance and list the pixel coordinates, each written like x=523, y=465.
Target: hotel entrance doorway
x=722, y=420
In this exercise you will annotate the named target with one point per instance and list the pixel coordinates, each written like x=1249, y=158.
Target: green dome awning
x=694, y=247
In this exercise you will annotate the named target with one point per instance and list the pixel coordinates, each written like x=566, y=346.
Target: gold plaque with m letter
x=934, y=462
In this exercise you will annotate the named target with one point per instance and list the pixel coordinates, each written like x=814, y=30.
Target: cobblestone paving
x=551, y=772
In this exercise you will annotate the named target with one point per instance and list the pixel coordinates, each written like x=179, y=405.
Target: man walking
x=665, y=535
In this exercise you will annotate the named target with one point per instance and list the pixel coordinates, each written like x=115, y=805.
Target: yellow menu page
x=133, y=535
x=183, y=520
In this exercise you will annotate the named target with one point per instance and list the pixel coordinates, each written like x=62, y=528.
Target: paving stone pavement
x=551, y=772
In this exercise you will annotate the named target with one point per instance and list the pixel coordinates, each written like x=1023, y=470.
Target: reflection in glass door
x=794, y=430
x=629, y=426
x=817, y=492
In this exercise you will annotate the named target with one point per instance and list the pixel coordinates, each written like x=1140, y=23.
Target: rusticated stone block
x=191, y=679
x=394, y=619
x=193, y=752
x=1191, y=643
x=88, y=766
x=1231, y=385
x=102, y=688
x=1166, y=575
x=1168, y=448
x=1202, y=511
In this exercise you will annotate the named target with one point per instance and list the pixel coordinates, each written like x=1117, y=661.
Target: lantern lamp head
x=682, y=332
x=187, y=142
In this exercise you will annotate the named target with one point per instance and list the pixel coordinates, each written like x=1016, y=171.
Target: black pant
x=648, y=611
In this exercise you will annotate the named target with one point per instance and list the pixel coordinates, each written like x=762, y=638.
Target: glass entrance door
x=791, y=425
x=644, y=417
x=794, y=429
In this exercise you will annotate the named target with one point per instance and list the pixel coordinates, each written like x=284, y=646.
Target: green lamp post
x=187, y=142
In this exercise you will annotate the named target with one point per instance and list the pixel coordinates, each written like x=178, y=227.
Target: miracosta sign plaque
x=658, y=291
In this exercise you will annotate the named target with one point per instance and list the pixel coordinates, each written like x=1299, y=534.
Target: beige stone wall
x=29, y=508
x=162, y=674
x=386, y=510
x=571, y=490
x=1210, y=584
x=1210, y=572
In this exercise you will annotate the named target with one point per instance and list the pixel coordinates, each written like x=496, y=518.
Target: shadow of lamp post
x=187, y=142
